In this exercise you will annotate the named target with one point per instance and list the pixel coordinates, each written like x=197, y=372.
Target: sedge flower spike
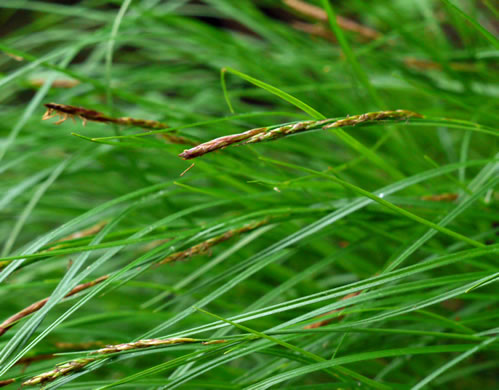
x=263, y=134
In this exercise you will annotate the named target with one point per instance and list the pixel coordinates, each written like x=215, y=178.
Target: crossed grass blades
x=202, y=248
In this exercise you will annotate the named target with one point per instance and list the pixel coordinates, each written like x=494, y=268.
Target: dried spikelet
x=12, y=320
x=14, y=57
x=441, y=197
x=37, y=358
x=77, y=346
x=153, y=244
x=269, y=134
x=59, y=371
x=416, y=63
x=329, y=320
x=7, y=382
x=78, y=364
x=319, y=14
x=80, y=234
x=65, y=112
x=205, y=246
x=148, y=343
x=373, y=116
x=175, y=139
x=219, y=143
x=65, y=84
x=318, y=30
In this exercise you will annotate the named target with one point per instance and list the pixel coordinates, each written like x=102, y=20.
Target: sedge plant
x=295, y=194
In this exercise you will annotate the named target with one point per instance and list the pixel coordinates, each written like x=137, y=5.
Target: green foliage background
x=346, y=210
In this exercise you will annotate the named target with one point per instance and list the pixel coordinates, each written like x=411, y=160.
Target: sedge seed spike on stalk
x=263, y=134
x=65, y=111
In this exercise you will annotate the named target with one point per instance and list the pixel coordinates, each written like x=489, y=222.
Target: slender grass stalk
x=452, y=363
x=271, y=89
x=358, y=70
x=490, y=37
x=110, y=48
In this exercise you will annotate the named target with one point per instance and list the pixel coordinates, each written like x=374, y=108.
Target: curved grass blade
x=491, y=38
x=275, y=91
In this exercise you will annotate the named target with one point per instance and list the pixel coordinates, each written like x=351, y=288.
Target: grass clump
x=358, y=249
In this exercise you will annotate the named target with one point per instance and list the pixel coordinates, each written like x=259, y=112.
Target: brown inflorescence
x=329, y=320
x=79, y=346
x=60, y=370
x=11, y=321
x=269, y=134
x=318, y=30
x=148, y=343
x=447, y=197
x=80, y=234
x=422, y=64
x=56, y=83
x=7, y=382
x=319, y=14
x=66, y=112
x=373, y=116
x=219, y=143
x=204, y=247
x=78, y=364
